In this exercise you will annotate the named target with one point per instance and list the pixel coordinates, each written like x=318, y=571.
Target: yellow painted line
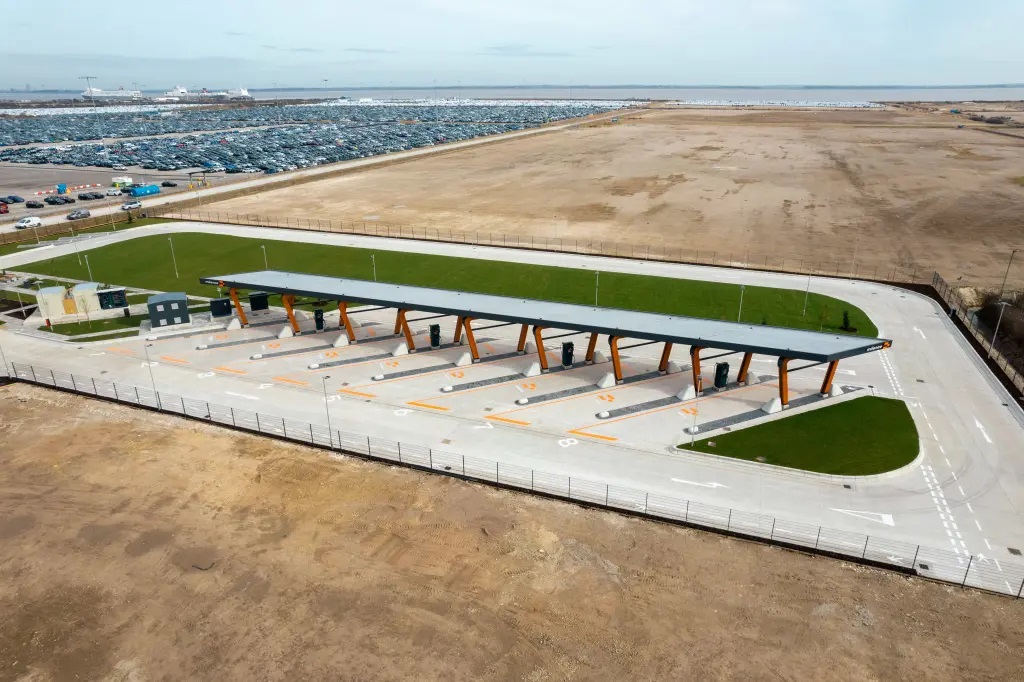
x=286, y=380
x=509, y=421
x=169, y=358
x=358, y=393
x=429, y=407
x=577, y=432
x=228, y=369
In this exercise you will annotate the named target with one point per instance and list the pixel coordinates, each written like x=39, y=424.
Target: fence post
x=967, y=572
x=464, y=467
x=686, y=512
x=53, y=380
x=209, y=415
x=33, y=370
x=570, y=487
x=817, y=538
x=728, y=522
x=771, y=536
x=74, y=384
x=137, y=401
x=399, y=451
x=916, y=552
x=864, y=553
x=646, y=497
x=233, y=424
x=368, y=452
x=1021, y=588
x=311, y=434
x=606, y=494
x=94, y=391
x=258, y=427
x=430, y=454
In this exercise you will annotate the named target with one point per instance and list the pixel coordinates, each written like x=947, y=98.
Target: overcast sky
x=259, y=43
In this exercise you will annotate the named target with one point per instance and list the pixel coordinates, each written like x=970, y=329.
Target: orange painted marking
x=391, y=363
x=457, y=373
x=286, y=380
x=489, y=347
x=429, y=407
x=358, y=393
x=228, y=369
x=607, y=398
x=529, y=387
x=121, y=351
x=221, y=336
x=168, y=358
x=275, y=344
x=577, y=432
x=507, y=421
x=371, y=331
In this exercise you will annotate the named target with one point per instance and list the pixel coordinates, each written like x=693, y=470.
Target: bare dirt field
x=142, y=547
x=885, y=188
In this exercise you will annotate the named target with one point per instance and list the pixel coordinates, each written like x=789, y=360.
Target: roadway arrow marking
x=868, y=516
x=702, y=485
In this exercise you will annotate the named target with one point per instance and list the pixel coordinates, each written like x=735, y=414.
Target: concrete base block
x=447, y=389
x=315, y=365
x=687, y=394
x=522, y=401
x=835, y=391
x=692, y=429
x=234, y=324
x=607, y=381
x=603, y=415
x=378, y=377
x=773, y=406
x=341, y=341
x=257, y=356
x=752, y=379
x=533, y=370
x=201, y=346
x=465, y=360
x=599, y=357
x=674, y=368
x=400, y=349
x=285, y=333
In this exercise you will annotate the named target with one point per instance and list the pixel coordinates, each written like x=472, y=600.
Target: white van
x=31, y=221
x=114, y=192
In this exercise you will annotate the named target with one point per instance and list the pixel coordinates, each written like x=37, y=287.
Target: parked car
x=131, y=205
x=31, y=221
x=54, y=201
x=114, y=192
x=3, y=208
x=85, y=196
x=119, y=167
x=15, y=199
x=79, y=214
x=34, y=204
x=168, y=183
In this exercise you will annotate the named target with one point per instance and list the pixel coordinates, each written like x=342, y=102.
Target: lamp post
x=1003, y=286
x=807, y=294
x=174, y=260
x=265, y=266
x=88, y=267
x=597, y=286
x=739, y=317
x=1002, y=309
x=373, y=261
x=327, y=409
x=152, y=379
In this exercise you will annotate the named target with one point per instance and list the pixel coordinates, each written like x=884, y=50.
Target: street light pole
x=152, y=379
x=597, y=286
x=739, y=317
x=373, y=261
x=173, y=259
x=327, y=409
x=1003, y=286
x=87, y=267
x=807, y=294
x=265, y=266
x=1002, y=309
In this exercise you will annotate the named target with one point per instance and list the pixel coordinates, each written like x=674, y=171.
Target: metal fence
x=888, y=272
x=990, y=345
x=937, y=564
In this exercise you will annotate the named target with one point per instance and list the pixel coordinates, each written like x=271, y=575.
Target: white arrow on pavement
x=920, y=332
x=702, y=485
x=868, y=516
x=486, y=425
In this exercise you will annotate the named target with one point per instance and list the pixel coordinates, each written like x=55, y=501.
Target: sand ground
x=143, y=547
x=878, y=188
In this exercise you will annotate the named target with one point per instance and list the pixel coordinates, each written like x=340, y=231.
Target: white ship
x=120, y=95
x=181, y=94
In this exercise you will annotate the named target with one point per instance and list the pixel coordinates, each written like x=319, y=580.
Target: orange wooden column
x=830, y=374
x=744, y=368
x=233, y=293
x=521, y=348
x=467, y=323
x=695, y=361
x=784, y=381
x=402, y=326
x=458, y=331
x=542, y=355
x=346, y=323
x=591, y=347
x=288, y=300
x=665, y=354
x=613, y=345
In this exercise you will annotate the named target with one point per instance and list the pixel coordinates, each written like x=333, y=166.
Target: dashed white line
x=961, y=489
x=970, y=508
x=977, y=524
x=987, y=545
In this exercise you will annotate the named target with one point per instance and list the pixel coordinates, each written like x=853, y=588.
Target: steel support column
x=613, y=346
x=346, y=323
x=542, y=355
x=695, y=361
x=830, y=374
x=665, y=354
x=233, y=293
x=784, y=381
x=402, y=326
x=467, y=323
x=288, y=300
x=744, y=368
x=521, y=348
x=591, y=347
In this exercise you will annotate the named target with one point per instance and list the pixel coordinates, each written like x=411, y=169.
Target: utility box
x=318, y=317
x=567, y=352
x=259, y=300
x=220, y=307
x=435, y=336
x=168, y=309
x=721, y=374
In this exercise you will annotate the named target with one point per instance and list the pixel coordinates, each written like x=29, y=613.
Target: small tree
x=846, y=321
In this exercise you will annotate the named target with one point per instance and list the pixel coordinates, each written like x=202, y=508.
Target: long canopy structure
x=783, y=343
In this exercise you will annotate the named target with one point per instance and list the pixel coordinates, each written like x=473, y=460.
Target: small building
x=58, y=304
x=168, y=309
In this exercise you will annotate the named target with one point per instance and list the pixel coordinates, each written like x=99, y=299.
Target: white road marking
x=981, y=427
x=920, y=332
x=970, y=508
x=485, y=426
x=702, y=485
x=960, y=488
x=987, y=545
x=867, y=516
x=997, y=564
x=241, y=395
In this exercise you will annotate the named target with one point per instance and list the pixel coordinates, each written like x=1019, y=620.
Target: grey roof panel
x=777, y=341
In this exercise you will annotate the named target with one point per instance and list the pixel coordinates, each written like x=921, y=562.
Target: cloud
x=235, y=33
x=304, y=49
x=369, y=50
x=520, y=50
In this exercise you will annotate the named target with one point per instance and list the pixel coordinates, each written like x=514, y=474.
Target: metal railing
x=989, y=345
x=809, y=265
x=952, y=567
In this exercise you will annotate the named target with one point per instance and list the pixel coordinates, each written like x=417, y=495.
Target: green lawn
x=858, y=437
x=107, y=324
x=146, y=263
